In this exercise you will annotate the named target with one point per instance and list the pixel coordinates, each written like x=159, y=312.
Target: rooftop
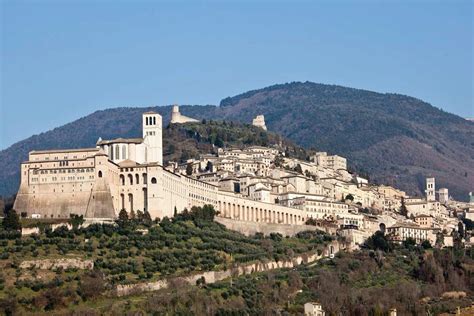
x=121, y=140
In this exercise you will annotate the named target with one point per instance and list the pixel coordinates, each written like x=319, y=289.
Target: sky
x=62, y=60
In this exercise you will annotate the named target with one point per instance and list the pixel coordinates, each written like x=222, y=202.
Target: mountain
x=396, y=139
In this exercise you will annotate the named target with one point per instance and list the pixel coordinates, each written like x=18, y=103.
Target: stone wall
x=49, y=264
x=250, y=228
x=215, y=276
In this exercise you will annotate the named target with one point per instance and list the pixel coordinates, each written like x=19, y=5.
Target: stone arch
x=382, y=227
x=99, y=174
x=145, y=199
x=122, y=179
x=122, y=201
x=153, y=180
x=137, y=178
x=144, y=178
x=130, y=201
x=130, y=179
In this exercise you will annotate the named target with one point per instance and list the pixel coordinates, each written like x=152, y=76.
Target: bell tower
x=152, y=137
x=430, y=190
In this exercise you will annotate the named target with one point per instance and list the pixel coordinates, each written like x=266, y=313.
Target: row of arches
x=150, y=120
x=127, y=201
x=131, y=179
x=258, y=214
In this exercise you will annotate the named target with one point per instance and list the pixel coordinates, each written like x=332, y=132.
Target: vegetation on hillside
x=124, y=254
x=190, y=140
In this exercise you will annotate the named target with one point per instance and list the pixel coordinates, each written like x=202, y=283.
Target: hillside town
x=262, y=185
x=329, y=195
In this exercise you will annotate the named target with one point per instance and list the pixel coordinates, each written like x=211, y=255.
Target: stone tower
x=152, y=125
x=430, y=189
x=177, y=118
x=443, y=195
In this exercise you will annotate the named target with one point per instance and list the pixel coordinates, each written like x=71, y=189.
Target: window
x=100, y=174
x=124, y=152
x=153, y=180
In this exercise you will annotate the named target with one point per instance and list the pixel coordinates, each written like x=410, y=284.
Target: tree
x=461, y=229
x=206, y=213
x=409, y=243
x=175, y=212
x=209, y=166
x=122, y=220
x=11, y=221
x=426, y=244
x=189, y=169
x=403, y=208
x=349, y=197
x=76, y=221
x=92, y=285
x=139, y=216
x=378, y=241
x=147, y=221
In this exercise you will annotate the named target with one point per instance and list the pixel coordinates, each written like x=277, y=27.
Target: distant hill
x=398, y=140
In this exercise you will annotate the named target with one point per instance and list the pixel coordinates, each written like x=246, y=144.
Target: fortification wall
x=48, y=264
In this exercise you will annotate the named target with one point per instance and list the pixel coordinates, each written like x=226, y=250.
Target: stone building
x=259, y=121
x=128, y=173
x=313, y=309
x=178, y=118
x=430, y=189
x=402, y=231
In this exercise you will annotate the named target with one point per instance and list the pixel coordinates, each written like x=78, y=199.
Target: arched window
x=122, y=179
x=146, y=120
x=111, y=152
x=100, y=174
x=137, y=179
x=130, y=179
x=122, y=201
x=130, y=201
x=144, y=178
x=117, y=152
x=153, y=180
x=154, y=120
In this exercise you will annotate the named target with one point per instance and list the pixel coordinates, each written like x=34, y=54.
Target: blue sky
x=61, y=60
